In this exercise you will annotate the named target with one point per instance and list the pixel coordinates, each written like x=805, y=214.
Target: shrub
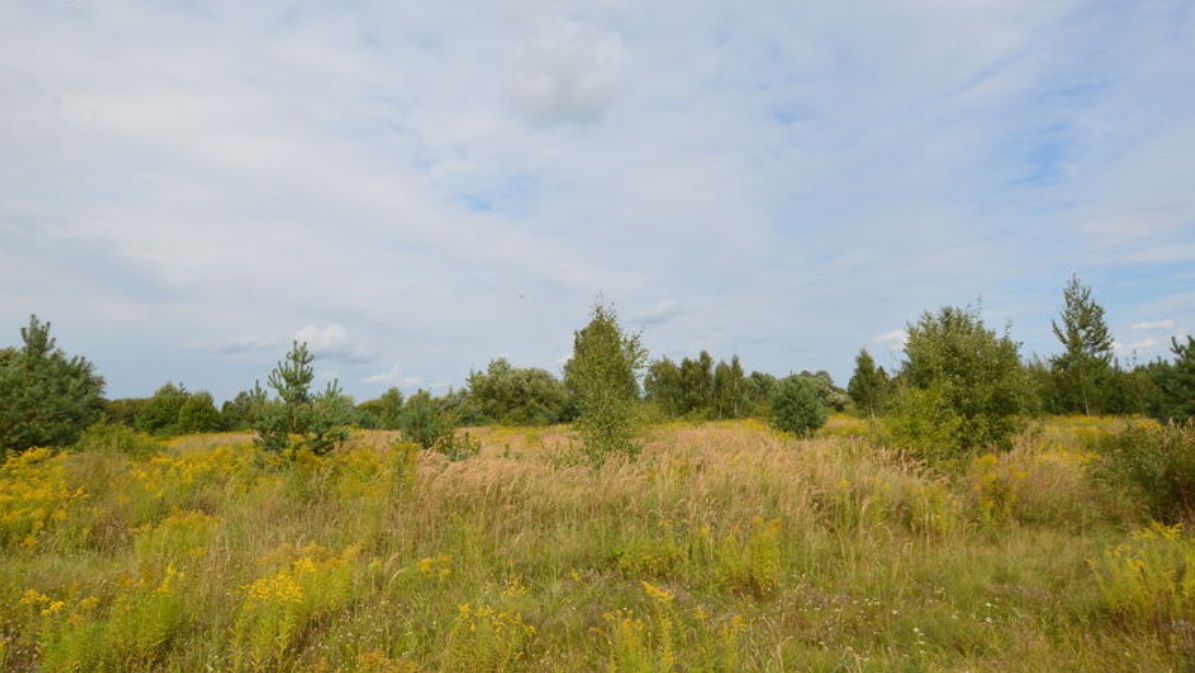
x=964, y=376
x=1147, y=582
x=118, y=439
x=424, y=422
x=1158, y=462
x=797, y=406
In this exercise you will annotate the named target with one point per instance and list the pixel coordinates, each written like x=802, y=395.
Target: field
x=725, y=547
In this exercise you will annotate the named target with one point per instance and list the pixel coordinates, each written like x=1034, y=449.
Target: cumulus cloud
x=573, y=72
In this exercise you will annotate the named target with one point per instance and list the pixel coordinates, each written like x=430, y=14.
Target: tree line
x=960, y=385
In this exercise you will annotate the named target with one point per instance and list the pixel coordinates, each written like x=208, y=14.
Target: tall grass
x=724, y=547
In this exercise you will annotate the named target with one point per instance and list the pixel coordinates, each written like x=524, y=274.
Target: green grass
x=725, y=547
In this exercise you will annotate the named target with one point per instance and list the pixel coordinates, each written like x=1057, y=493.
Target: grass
x=725, y=547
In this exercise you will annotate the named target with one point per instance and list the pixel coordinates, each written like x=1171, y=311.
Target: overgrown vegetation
x=725, y=547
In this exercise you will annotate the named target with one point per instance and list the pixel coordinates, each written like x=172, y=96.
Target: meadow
x=724, y=547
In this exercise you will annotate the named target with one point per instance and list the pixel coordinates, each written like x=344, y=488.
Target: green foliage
x=1176, y=381
x=198, y=414
x=118, y=439
x=868, y=387
x=46, y=398
x=968, y=388
x=159, y=415
x=240, y=413
x=1148, y=582
x=124, y=411
x=831, y=395
x=603, y=377
x=384, y=413
x=425, y=422
x=298, y=419
x=1083, y=371
x=514, y=396
x=1158, y=462
x=797, y=406
x=924, y=420
x=730, y=390
x=699, y=389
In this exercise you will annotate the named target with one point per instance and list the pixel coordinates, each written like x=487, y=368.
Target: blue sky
x=417, y=188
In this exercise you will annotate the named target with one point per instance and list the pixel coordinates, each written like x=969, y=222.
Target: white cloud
x=1154, y=324
x=573, y=72
x=895, y=339
x=333, y=342
x=438, y=183
x=1141, y=345
x=395, y=376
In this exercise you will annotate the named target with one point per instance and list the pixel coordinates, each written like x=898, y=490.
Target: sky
x=415, y=189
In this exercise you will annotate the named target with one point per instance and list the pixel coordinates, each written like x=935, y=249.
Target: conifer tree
x=46, y=398
x=1087, y=361
x=315, y=422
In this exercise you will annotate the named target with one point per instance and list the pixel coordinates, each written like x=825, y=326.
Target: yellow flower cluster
x=495, y=621
x=278, y=588
x=34, y=495
x=165, y=474
x=292, y=583
x=438, y=566
x=658, y=594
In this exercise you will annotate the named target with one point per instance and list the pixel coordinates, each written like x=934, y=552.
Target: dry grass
x=725, y=547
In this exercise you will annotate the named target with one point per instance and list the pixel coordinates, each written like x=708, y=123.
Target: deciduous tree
x=603, y=376
x=966, y=379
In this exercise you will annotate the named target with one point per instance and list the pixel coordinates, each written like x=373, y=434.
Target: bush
x=797, y=406
x=1158, y=462
x=962, y=374
x=118, y=439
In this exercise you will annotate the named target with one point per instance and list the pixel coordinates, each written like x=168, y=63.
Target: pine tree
x=1086, y=364
x=316, y=422
x=46, y=398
